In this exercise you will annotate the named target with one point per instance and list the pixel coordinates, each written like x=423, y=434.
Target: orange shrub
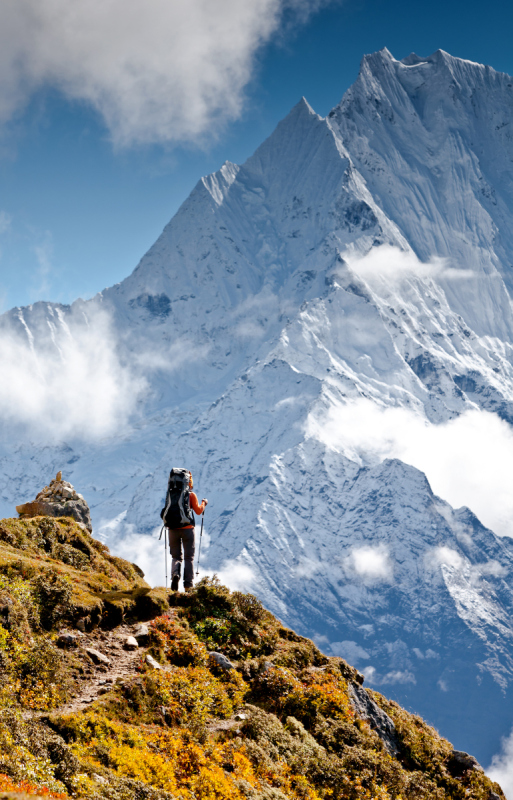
x=193, y=694
x=8, y=785
x=177, y=645
x=315, y=692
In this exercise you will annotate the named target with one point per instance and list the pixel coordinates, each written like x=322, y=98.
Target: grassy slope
x=279, y=725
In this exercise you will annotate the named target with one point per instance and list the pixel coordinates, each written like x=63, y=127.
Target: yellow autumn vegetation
x=277, y=723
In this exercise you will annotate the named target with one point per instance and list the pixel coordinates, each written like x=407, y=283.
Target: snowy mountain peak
x=436, y=73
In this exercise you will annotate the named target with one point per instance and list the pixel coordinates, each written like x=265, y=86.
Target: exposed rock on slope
x=59, y=499
x=217, y=700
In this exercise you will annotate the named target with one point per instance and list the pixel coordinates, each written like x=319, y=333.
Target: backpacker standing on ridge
x=179, y=520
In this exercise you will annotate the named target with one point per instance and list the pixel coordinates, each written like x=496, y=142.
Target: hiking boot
x=188, y=588
x=175, y=583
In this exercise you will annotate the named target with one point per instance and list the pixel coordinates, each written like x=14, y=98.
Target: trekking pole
x=165, y=550
x=164, y=530
x=199, y=549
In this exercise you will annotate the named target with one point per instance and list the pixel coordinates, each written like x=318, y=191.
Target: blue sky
x=78, y=210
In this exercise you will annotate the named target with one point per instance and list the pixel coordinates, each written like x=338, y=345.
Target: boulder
x=221, y=661
x=67, y=640
x=97, y=657
x=142, y=634
x=58, y=499
x=459, y=762
x=152, y=663
x=131, y=643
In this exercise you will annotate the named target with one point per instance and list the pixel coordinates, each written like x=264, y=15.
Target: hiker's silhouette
x=178, y=517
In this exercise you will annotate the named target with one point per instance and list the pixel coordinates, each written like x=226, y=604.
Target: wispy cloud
x=389, y=678
x=440, y=556
x=71, y=383
x=468, y=460
x=351, y=651
x=165, y=71
x=501, y=768
x=390, y=264
x=397, y=676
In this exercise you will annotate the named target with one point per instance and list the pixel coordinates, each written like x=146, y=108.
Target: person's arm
x=195, y=505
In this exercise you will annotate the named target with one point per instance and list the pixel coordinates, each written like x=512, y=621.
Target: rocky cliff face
x=114, y=691
x=365, y=257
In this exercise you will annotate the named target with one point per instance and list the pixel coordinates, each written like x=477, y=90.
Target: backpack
x=177, y=512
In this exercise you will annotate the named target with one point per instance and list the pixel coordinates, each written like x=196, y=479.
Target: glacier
x=362, y=258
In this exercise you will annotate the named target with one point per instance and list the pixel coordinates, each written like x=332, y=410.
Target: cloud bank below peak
x=467, y=460
x=160, y=72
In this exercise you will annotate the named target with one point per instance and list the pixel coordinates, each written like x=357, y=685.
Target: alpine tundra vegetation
x=112, y=690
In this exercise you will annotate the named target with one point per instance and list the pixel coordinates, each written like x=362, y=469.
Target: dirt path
x=100, y=677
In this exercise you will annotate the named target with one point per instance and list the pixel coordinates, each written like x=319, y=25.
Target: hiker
x=178, y=518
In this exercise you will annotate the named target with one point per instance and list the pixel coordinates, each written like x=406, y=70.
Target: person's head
x=191, y=482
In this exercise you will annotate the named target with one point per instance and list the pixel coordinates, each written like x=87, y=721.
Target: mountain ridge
x=113, y=691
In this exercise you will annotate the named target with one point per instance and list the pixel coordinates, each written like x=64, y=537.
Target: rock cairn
x=58, y=499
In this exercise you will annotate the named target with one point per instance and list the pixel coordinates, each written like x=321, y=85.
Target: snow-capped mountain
x=364, y=260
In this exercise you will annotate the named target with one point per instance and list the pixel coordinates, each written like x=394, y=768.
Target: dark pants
x=177, y=538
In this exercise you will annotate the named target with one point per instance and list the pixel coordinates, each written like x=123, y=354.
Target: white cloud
x=67, y=381
x=501, y=768
x=147, y=552
x=492, y=568
x=390, y=264
x=390, y=678
x=398, y=676
x=468, y=460
x=350, y=651
x=159, y=71
x=372, y=564
x=447, y=556
x=369, y=674
x=237, y=576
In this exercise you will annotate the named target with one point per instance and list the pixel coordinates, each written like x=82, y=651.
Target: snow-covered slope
x=365, y=256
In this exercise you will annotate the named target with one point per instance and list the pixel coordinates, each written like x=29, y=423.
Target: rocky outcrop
x=58, y=499
x=367, y=709
x=460, y=762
